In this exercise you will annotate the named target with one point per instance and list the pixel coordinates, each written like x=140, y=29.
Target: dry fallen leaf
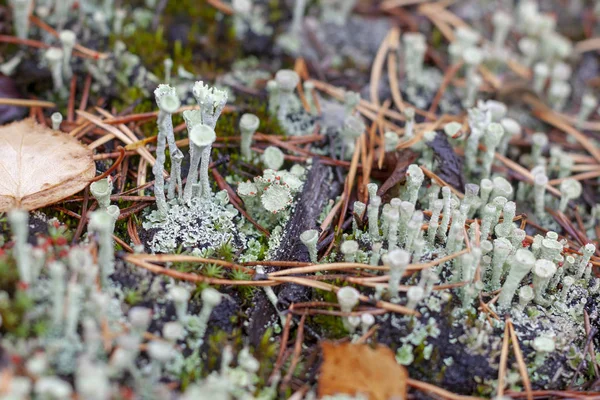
x=40, y=166
x=359, y=369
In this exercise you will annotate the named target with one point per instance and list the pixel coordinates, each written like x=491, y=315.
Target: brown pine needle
x=592, y=44
x=441, y=393
x=221, y=6
x=441, y=182
x=389, y=4
x=191, y=259
x=524, y=172
x=157, y=269
x=360, y=142
x=503, y=359
x=577, y=177
x=332, y=288
x=551, y=118
x=326, y=267
x=392, y=64
x=377, y=69
x=80, y=51
x=520, y=360
x=448, y=76
x=6, y=101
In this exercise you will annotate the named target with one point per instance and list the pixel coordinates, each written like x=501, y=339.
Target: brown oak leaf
x=359, y=369
x=40, y=166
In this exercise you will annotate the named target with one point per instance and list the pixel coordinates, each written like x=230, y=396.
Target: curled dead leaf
x=40, y=166
x=353, y=369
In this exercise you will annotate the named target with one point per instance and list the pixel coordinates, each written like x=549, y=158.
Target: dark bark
x=449, y=164
x=319, y=187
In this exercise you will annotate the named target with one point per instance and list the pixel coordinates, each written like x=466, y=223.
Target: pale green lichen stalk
x=19, y=223
x=168, y=102
x=248, y=126
x=212, y=102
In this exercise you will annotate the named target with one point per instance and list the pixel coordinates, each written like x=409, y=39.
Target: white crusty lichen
x=205, y=223
x=273, y=158
x=268, y=197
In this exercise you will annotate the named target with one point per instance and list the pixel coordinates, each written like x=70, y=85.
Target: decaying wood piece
x=319, y=187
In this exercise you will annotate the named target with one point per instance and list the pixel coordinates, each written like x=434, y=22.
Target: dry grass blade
x=223, y=7
x=442, y=25
x=334, y=210
x=80, y=50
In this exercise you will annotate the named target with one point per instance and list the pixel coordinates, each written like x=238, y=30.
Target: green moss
x=132, y=296
x=13, y=310
x=226, y=251
x=217, y=342
x=265, y=353
x=331, y=325
x=247, y=292
x=213, y=271
x=135, y=95
x=151, y=46
x=9, y=275
x=197, y=9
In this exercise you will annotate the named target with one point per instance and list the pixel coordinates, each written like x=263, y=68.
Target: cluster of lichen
x=49, y=292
